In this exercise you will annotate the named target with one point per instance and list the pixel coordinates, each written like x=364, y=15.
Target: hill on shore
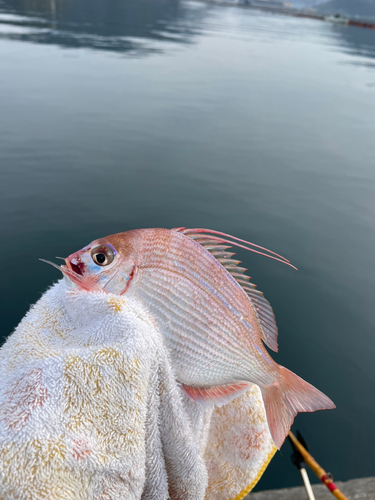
x=360, y=8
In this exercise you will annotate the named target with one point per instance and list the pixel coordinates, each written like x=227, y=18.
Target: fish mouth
x=74, y=271
x=77, y=266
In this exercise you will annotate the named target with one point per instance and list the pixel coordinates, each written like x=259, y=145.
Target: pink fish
x=213, y=319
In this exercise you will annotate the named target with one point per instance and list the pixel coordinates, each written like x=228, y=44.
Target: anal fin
x=219, y=395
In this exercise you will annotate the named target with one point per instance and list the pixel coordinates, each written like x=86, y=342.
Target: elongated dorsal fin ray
x=200, y=234
x=262, y=307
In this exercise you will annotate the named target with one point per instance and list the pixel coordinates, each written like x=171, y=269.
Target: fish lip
x=76, y=268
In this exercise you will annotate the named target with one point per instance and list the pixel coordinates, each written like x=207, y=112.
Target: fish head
x=107, y=264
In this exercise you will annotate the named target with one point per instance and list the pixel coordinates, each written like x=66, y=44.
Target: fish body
x=214, y=323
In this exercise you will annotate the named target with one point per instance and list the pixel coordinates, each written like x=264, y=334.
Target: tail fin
x=285, y=398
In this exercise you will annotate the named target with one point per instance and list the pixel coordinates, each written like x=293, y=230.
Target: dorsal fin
x=262, y=307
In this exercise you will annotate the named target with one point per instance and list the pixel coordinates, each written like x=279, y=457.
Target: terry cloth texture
x=90, y=410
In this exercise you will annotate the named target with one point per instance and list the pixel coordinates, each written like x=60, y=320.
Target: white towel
x=90, y=410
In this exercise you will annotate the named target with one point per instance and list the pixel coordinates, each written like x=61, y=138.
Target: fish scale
x=191, y=342
x=207, y=276
x=191, y=313
x=203, y=270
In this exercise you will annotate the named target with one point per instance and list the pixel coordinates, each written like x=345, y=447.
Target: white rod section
x=306, y=481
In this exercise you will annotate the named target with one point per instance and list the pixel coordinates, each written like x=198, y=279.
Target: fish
x=214, y=321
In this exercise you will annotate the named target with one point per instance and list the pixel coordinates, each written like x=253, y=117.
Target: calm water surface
x=130, y=113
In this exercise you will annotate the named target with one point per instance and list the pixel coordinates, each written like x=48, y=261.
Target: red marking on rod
x=326, y=479
x=331, y=486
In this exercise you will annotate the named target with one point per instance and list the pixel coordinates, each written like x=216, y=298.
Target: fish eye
x=102, y=255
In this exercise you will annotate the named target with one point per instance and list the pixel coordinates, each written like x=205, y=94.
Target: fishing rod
x=297, y=460
x=325, y=477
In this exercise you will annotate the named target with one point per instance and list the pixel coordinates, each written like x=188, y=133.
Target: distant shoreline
x=293, y=12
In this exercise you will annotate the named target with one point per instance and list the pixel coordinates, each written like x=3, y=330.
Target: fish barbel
x=212, y=318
